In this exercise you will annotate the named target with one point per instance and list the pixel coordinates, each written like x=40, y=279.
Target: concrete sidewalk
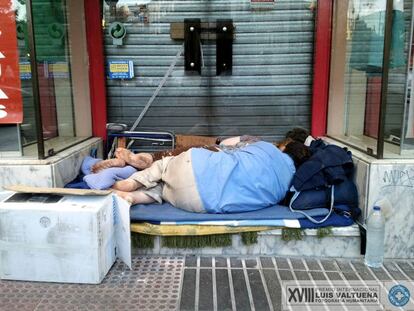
x=194, y=283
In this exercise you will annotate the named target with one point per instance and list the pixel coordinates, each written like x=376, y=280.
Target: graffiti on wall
x=398, y=178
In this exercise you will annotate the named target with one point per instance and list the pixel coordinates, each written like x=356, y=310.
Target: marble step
x=344, y=242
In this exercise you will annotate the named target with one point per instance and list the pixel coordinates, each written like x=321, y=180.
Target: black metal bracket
x=224, y=46
x=193, y=31
x=192, y=45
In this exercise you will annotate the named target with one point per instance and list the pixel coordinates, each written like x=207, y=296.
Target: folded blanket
x=105, y=178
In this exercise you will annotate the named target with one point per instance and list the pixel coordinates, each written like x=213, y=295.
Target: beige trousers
x=172, y=179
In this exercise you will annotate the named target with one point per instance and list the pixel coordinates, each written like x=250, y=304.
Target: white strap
x=295, y=196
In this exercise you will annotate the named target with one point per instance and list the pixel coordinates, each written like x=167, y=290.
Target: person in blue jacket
x=248, y=178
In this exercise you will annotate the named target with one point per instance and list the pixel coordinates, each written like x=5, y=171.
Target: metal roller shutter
x=267, y=94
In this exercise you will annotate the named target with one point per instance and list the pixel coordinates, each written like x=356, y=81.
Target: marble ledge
x=336, y=231
x=53, y=159
x=309, y=246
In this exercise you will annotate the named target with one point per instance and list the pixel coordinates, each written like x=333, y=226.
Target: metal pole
x=384, y=80
x=35, y=80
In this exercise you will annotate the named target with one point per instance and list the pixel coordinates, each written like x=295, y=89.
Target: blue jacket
x=328, y=165
x=246, y=179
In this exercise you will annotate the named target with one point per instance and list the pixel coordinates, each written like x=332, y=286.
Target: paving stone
x=257, y=290
x=363, y=271
x=205, y=290
x=366, y=275
x=223, y=290
x=266, y=262
x=302, y=275
x=390, y=266
x=274, y=288
x=350, y=276
x=191, y=261
x=297, y=264
x=188, y=290
x=221, y=262
x=251, y=263
x=14, y=304
x=317, y=276
x=404, y=265
x=359, y=265
x=410, y=274
x=240, y=290
x=329, y=265
x=380, y=274
x=236, y=263
x=344, y=266
x=394, y=271
x=334, y=276
x=286, y=275
x=313, y=264
x=205, y=262
x=282, y=263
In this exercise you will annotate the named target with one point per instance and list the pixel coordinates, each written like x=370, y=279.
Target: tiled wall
x=53, y=172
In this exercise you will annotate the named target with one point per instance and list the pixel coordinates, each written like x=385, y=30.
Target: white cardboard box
x=73, y=240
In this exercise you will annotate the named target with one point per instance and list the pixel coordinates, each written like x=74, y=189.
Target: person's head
x=298, y=152
x=298, y=134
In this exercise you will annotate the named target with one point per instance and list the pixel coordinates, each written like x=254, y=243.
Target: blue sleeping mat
x=159, y=213
x=278, y=215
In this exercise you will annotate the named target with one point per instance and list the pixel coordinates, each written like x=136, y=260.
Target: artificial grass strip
x=324, y=232
x=139, y=240
x=214, y=240
x=290, y=234
x=249, y=238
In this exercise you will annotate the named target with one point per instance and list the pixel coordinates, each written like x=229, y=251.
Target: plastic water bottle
x=374, y=254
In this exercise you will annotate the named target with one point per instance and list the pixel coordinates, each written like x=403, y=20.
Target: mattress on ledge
x=274, y=216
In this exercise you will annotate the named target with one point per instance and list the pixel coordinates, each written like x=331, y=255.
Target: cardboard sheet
x=122, y=226
x=61, y=191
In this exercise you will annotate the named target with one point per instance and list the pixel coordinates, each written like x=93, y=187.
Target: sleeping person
x=144, y=160
x=102, y=174
x=251, y=177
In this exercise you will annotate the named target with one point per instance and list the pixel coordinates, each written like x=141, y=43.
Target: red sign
x=11, y=108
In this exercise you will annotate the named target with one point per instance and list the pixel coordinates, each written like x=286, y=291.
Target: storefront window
x=53, y=46
x=358, y=73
